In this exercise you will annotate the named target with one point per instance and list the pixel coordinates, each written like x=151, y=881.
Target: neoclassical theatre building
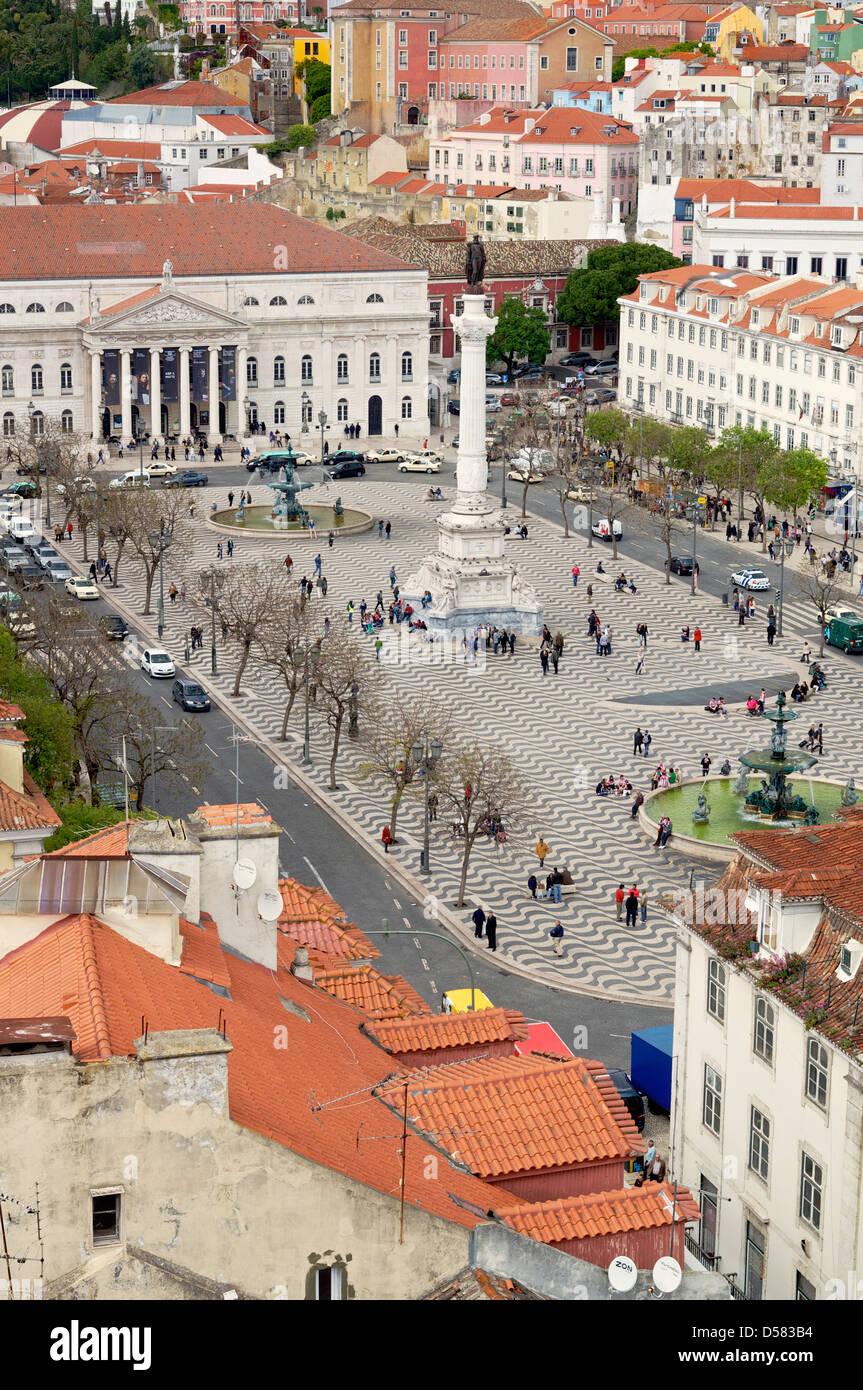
x=154, y=320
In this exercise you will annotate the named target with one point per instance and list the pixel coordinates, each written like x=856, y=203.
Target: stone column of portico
x=96, y=395
x=126, y=394
x=213, y=432
x=242, y=391
x=183, y=370
x=155, y=394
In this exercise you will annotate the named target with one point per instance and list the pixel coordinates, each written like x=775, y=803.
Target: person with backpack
x=556, y=935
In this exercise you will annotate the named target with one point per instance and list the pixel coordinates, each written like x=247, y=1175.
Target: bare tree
x=821, y=589
x=404, y=720
x=611, y=430
x=479, y=784
x=287, y=645
x=569, y=467
x=150, y=515
x=531, y=441
x=173, y=753
x=345, y=684
x=246, y=602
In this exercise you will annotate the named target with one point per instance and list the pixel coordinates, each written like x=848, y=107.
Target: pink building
x=567, y=148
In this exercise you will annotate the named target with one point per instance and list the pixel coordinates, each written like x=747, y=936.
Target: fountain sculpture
x=285, y=506
x=774, y=799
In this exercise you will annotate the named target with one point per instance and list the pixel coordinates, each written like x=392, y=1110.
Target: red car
x=508, y=398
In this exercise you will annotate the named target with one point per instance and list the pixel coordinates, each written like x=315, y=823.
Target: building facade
x=249, y=314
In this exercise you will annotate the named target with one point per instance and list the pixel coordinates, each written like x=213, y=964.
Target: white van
x=602, y=529
x=21, y=528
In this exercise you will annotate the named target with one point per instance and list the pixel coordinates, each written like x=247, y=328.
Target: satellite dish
x=667, y=1274
x=244, y=874
x=622, y=1274
x=270, y=905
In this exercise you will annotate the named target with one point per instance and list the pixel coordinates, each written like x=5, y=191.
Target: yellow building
x=307, y=44
x=724, y=28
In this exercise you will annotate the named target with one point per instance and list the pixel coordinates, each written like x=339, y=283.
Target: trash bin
x=725, y=600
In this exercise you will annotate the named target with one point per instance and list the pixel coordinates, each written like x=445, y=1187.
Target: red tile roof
x=521, y=1114
x=236, y=125
x=376, y=995
x=720, y=190
x=29, y=809
x=10, y=711
x=104, y=984
x=602, y=1213
x=113, y=149
x=775, y=53
x=451, y=1030
x=112, y=842
x=246, y=813
x=74, y=243
x=184, y=94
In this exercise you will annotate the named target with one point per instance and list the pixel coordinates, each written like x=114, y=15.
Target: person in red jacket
x=696, y=637
x=618, y=898
x=386, y=839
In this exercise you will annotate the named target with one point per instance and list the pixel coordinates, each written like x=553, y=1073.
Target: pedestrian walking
x=575, y=573
x=696, y=637
x=637, y=740
x=556, y=935
x=289, y=564
x=532, y=885
x=491, y=931
x=631, y=908
x=556, y=886
x=230, y=550
x=642, y=906
x=392, y=576
x=386, y=839
x=379, y=641
x=771, y=630
x=380, y=530
x=819, y=738
x=648, y=739
x=478, y=922
x=639, y=665
x=350, y=610
x=173, y=591
x=331, y=540
x=543, y=660
x=433, y=805
x=555, y=658
x=541, y=851
x=324, y=585
x=230, y=499
x=318, y=564
x=106, y=577
x=619, y=896
x=512, y=642
x=388, y=530
x=219, y=551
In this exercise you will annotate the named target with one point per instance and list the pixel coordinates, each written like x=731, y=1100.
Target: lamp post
x=213, y=622
x=322, y=422
x=426, y=753
x=162, y=538
x=787, y=549
x=305, y=404
x=307, y=756
x=590, y=513
x=505, y=470
x=246, y=405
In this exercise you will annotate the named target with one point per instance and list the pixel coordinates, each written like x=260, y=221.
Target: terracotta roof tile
x=8, y=735
x=379, y=996
x=247, y=813
x=522, y=1114
x=202, y=952
x=10, y=711
x=602, y=1213
x=29, y=809
x=451, y=1030
x=182, y=94
x=113, y=149
x=111, y=842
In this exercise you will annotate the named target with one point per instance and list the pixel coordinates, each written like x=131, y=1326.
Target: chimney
x=300, y=967
x=140, y=173
x=731, y=210
x=205, y=69
x=239, y=864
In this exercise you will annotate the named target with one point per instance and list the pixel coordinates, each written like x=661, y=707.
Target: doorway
x=434, y=405
x=375, y=415
x=413, y=115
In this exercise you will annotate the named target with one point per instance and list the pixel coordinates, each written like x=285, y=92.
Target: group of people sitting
x=614, y=786
x=754, y=706
x=817, y=678
x=665, y=777
x=716, y=705
x=434, y=494
x=555, y=882
x=800, y=691
x=520, y=531
x=621, y=583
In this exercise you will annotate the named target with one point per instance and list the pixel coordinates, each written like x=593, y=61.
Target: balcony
x=709, y=1262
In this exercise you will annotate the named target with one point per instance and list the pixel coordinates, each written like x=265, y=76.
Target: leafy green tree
x=317, y=77
x=320, y=108
x=142, y=67
x=618, y=67
x=50, y=751
x=80, y=820
x=300, y=135
x=791, y=478
x=520, y=332
x=753, y=453
x=590, y=295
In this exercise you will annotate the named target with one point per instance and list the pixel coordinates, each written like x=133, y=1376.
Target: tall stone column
x=183, y=371
x=155, y=394
x=96, y=396
x=213, y=397
x=475, y=328
x=126, y=395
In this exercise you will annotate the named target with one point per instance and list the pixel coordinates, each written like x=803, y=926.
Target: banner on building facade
x=228, y=374
x=111, y=376
x=169, y=374
x=141, y=376
x=199, y=373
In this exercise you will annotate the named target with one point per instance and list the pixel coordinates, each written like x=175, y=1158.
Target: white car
x=841, y=613
x=161, y=468
x=384, y=456
x=602, y=529
x=85, y=484
x=156, y=662
x=751, y=579
x=492, y=403
x=135, y=479
x=420, y=463
x=21, y=528
x=80, y=587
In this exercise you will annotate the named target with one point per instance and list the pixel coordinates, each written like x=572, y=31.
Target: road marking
x=239, y=779
x=290, y=837
x=195, y=790
x=387, y=883
x=317, y=875
x=432, y=986
x=424, y=962
x=165, y=701
x=398, y=904
x=211, y=750
x=407, y=923
x=416, y=938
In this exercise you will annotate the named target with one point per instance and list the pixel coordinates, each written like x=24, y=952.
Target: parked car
x=30, y=575
x=532, y=372
x=632, y=1098
x=523, y=475
x=419, y=463
x=187, y=477
x=843, y=612
x=750, y=579
x=21, y=529
x=681, y=564
x=609, y=366
x=600, y=395
x=350, y=468
x=9, y=598
x=454, y=407
x=844, y=633
x=454, y=377
x=134, y=479
x=161, y=468
x=114, y=627
x=492, y=403
x=13, y=557
x=577, y=359
x=190, y=695
x=578, y=494
x=81, y=587
x=28, y=489
x=157, y=662
x=384, y=456
x=602, y=529
x=43, y=553
x=345, y=456
x=509, y=398
x=494, y=379
x=57, y=570
x=86, y=485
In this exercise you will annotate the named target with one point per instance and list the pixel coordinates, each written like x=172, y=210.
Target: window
x=407, y=408
x=342, y=367
x=330, y=1283
x=36, y=379
x=306, y=368
x=8, y=424
x=35, y=308
x=811, y=1186
x=37, y=423
x=804, y=1292
x=712, y=1109
x=64, y=308
x=65, y=378
x=252, y=371
x=304, y=299
x=8, y=381
x=759, y=1142
x=753, y=1273
x=716, y=990
x=279, y=371
x=105, y=1218
x=278, y=301
x=709, y=1216
x=407, y=366
x=841, y=267
x=249, y=301
x=7, y=309
x=279, y=413
x=815, y=264
x=764, y=1030
x=67, y=423
x=816, y=1072
x=572, y=60
x=375, y=299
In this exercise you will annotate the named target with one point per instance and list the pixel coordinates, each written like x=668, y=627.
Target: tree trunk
x=337, y=733
x=83, y=530
x=668, y=559
x=150, y=575
x=563, y=514
x=394, y=810
x=524, y=497
x=468, y=846
x=247, y=647
x=288, y=707
x=117, y=563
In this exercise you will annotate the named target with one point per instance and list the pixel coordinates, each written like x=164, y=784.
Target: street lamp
x=306, y=404
x=31, y=411
x=322, y=422
x=787, y=549
x=246, y=404
x=505, y=470
x=162, y=538
x=590, y=513
x=426, y=753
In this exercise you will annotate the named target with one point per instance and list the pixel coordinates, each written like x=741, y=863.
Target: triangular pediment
x=163, y=308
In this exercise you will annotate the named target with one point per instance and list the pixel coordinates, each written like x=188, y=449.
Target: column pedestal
x=471, y=580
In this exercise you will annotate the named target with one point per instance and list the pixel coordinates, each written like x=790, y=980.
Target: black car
x=114, y=627
x=454, y=407
x=681, y=564
x=187, y=477
x=577, y=359
x=30, y=575
x=190, y=695
x=348, y=468
x=345, y=456
x=632, y=1098
x=24, y=471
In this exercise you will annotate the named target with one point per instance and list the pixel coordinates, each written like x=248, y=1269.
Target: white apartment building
x=767, y=1094
x=713, y=347
x=842, y=163
x=782, y=238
